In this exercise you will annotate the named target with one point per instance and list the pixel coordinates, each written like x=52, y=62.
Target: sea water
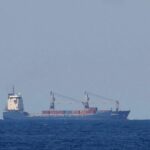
x=75, y=135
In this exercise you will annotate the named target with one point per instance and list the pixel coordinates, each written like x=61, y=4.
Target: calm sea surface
x=75, y=135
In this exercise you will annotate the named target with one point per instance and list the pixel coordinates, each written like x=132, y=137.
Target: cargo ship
x=15, y=111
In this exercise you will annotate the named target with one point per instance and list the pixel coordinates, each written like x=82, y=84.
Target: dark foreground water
x=75, y=135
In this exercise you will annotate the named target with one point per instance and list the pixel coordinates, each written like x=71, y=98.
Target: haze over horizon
x=68, y=46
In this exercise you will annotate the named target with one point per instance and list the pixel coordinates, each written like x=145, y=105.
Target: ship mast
x=86, y=103
x=13, y=88
x=52, y=103
x=117, y=105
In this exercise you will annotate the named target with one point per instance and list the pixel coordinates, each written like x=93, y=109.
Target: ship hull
x=99, y=115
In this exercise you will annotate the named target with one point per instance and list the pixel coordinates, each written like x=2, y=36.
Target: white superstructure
x=15, y=102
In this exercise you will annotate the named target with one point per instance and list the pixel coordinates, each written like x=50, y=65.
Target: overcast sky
x=70, y=46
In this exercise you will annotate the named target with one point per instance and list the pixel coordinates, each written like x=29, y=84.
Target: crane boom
x=85, y=103
x=66, y=97
x=104, y=98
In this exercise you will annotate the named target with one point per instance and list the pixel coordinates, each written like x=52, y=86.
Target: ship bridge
x=15, y=102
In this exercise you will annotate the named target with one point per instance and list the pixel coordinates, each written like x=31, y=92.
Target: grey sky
x=74, y=45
